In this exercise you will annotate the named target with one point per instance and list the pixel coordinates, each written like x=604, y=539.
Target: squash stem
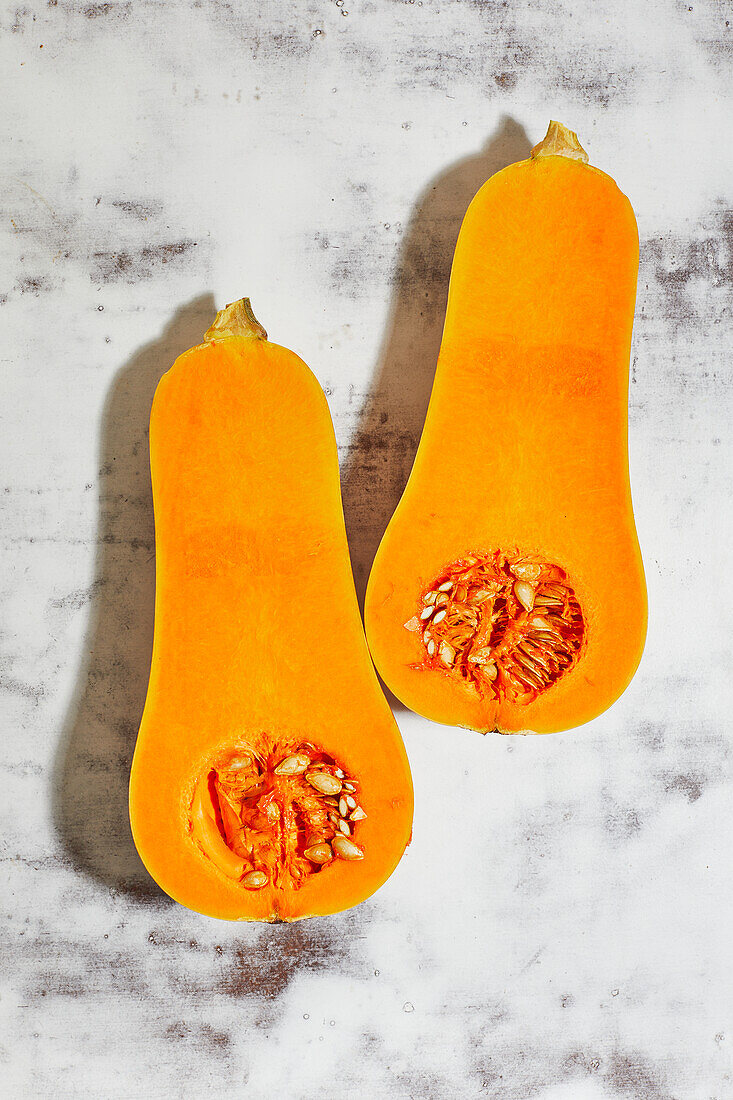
x=560, y=142
x=237, y=319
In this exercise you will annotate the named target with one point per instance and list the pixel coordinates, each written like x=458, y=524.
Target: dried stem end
x=560, y=142
x=237, y=319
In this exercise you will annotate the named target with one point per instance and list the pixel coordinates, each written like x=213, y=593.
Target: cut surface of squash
x=269, y=780
x=508, y=591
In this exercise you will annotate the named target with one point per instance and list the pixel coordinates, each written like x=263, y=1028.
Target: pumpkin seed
x=525, y=594
x=426, y=612
x=255, y=880
x=358, y=814
x=319, y=853
x=239, y=762
x=445, y=587
x=343, y=807
x=439, y=617
x=344, y=827
x=293, y=765
x=324, y=782
x=346, y=849
x=526, y=570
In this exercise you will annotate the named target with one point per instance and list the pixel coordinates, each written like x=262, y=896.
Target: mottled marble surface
x=566, y=934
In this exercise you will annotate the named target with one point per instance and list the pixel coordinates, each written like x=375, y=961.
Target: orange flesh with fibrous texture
x=523, y=456
x=259, y=652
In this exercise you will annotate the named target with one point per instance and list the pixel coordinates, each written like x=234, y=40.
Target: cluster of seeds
x=509, y=626
x=286, y=813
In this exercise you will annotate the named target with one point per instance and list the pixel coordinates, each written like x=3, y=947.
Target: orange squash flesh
x=258, y=643
x=524, y=452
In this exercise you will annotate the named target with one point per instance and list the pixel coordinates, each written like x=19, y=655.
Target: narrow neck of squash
x=236, y=319
x=560, y=142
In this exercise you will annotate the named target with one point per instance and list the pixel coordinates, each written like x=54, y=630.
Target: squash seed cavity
x=277, y=814
x=510, y=626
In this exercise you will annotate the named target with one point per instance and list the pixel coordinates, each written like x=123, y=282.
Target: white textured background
x=560, y=927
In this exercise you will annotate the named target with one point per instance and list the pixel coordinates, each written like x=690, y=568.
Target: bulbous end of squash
x=560, y=142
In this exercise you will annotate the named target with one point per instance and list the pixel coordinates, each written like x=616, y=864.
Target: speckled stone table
x=564, y=933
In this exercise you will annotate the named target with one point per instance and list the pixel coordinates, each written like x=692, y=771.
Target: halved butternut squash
x=269, y=780
x=508, y=591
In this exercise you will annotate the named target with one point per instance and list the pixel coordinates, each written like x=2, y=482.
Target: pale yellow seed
x=323, y=782
x=413, y=623
x=439, y=617
x=255, y=880
x=548, y=601
x=293, y=765
x=431, y=648
x=447, y=654
x=446, y=587
x=343, y=806
x=526, y=570
x=490, y=670
x=429, y=597
x=349, y=787
x=426, y=612
x=338, y=773
x=238, y=763
x=540, y=624
x=318, y=853
x=350, y=802
x=479, y=656
x=525, y=594
x=346, y=849
x=344, y=827
x=358, y=814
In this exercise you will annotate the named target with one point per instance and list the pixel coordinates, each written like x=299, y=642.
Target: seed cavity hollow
x=269, y=814
x=509, y=626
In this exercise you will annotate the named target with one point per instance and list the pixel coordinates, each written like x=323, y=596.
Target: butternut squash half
x=269, y=780
x=508, y=591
